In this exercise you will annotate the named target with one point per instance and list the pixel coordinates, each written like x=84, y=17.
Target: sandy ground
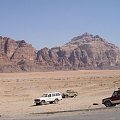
x=18, y=90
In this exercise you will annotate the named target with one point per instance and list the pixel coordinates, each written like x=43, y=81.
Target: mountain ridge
x=82, y=52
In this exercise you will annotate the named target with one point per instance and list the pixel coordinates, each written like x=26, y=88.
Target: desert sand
x=18, y=90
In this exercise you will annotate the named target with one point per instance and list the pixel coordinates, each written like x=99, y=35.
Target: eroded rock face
x=23, y=51
x=92, y=51
x=3, y=56
x=82, y=52
x=13, y=52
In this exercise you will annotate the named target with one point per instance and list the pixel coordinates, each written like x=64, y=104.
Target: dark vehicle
x=69, y=93
x=113, y=100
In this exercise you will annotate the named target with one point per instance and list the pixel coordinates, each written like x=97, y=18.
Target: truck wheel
x=37, y=103
x=75, y=95
x=51, y=102
x=63, y=95
x=56, y=101
x=108, y=104
x=42, y=102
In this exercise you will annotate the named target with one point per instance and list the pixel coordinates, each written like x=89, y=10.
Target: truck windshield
x=44, y=95
x=115, y=94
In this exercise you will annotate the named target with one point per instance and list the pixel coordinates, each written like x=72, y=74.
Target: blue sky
x=49, y=23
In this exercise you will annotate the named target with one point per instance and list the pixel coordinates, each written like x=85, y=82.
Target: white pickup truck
x=53, y=97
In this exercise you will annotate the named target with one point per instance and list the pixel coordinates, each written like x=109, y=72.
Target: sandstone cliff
x=82, y=52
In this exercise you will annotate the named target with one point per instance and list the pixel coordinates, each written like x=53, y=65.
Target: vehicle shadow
x=34, y=105
x=38, y=105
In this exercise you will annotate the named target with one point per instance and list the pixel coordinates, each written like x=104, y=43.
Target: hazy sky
x=48, y=23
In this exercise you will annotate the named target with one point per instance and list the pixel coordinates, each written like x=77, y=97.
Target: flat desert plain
x=18, y=90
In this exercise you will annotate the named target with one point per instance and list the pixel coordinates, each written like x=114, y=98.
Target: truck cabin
x=116, y=93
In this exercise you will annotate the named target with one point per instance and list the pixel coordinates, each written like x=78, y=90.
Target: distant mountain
x=82, y=52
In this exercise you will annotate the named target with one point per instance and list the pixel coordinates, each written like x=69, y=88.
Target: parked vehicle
x=113, y=100
x=54, y=97
x=69, y=93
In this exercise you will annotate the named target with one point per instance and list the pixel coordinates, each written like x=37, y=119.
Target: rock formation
x=82, y=52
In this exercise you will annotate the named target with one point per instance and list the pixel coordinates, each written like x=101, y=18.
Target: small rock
x=95, y=104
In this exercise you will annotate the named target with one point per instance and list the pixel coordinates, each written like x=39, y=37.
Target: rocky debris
x=82, y=52
x=95, y=104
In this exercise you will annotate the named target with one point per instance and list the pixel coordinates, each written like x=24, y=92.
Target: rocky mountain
x=82, y=52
